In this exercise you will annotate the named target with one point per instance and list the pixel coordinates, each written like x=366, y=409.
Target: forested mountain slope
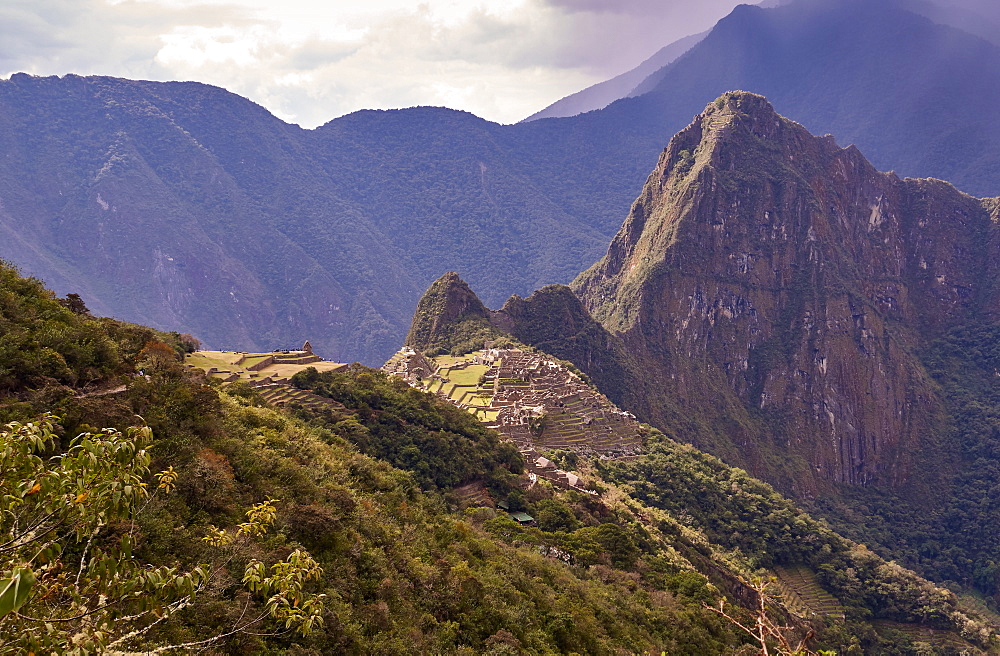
x=181, y=204
x=289, y=532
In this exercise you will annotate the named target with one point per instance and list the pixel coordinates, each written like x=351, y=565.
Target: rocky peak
x=447, y=313
x=777, y=283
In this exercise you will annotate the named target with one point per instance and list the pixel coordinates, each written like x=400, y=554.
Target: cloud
x=310, y=60
x=647, y=8
x=54, y=37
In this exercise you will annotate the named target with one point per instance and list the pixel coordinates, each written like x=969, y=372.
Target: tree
x=157, y=354
x=84, y=598
x=68, y=580
x=771, y=636
x=74, y=304
x=190, y=343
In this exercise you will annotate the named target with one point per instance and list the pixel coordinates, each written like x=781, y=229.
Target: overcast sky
x=309, y=61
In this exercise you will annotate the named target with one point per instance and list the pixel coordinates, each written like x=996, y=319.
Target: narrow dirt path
x=105, y=392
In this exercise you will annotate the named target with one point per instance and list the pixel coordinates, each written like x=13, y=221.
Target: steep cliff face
x=775, y=300
x=777, y=286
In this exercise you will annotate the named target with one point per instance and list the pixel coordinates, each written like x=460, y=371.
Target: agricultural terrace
x=532, y=401
x=275, y=366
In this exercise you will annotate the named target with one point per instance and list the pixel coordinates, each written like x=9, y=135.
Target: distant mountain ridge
x=977, y=18
x=182, y=206
x=602, y=94
x=142, y=197
x=916, y=96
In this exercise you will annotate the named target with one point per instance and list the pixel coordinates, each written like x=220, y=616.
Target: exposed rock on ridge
x=447, y=314
x=776, y=286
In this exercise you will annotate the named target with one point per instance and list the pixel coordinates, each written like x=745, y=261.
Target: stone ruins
x=534, y=402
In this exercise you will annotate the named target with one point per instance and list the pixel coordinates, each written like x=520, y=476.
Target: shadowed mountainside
x=179, y=204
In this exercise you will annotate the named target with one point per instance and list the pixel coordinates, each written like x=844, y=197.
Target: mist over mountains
x=602, y=94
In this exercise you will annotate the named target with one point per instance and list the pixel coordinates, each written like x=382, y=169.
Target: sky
x=309, y=61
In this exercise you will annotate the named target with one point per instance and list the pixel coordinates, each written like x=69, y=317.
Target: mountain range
x=976, y=17
x=181, y=205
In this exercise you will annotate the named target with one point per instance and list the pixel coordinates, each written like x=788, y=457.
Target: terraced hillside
x=804, y=595
x=267, y=373
x=918, y=633
x=274, y=366
x=533, y=401
x=280, y=394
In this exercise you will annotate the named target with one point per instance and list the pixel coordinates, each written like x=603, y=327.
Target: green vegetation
x=52, y=505
x=72, y=584
x=399, y=572
x=385, y=418
x=44, y=343
x=249, y=361
x=769, y=531
x=204, y=361
x=450, y=319
x=466, y=376
x=332, y=531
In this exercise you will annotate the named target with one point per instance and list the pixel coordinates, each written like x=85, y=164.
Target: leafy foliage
x=440, y=444
x=46, y=342
x=70, y=585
